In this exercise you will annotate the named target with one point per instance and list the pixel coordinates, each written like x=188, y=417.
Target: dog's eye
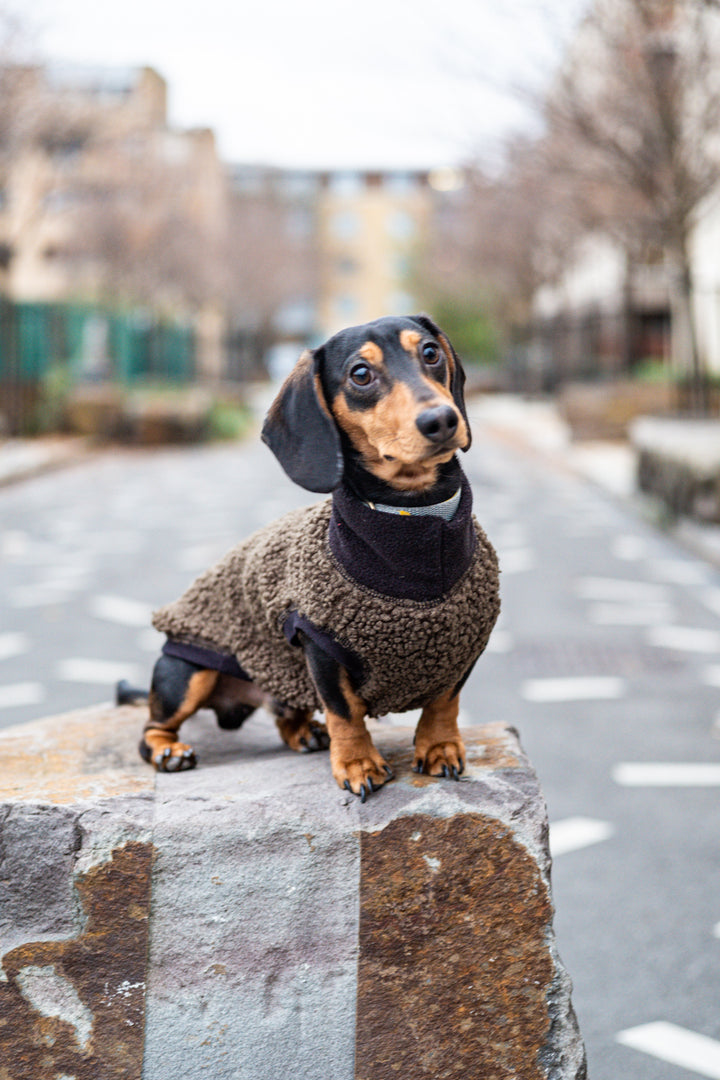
x=361, y=375
x=430, y=352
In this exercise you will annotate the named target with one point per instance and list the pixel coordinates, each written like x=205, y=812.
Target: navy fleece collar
x=411, y=558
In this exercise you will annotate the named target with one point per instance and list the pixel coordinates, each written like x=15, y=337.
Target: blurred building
x=371, y=227
x=102, y=202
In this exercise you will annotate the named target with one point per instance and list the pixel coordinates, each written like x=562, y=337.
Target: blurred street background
x=188, y=199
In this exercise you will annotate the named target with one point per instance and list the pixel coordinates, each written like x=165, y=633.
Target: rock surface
x=249, y=919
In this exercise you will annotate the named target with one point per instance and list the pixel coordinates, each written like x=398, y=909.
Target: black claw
x=347, y=787
x=388, y=770
x=455, y=773
x=462, y=765
x=446, y=772
x=363, y=793
x=370, y=784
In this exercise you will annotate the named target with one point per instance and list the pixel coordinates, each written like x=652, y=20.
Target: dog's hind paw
x=302, y=733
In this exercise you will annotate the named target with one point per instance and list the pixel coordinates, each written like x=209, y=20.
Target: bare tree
x=634, y=117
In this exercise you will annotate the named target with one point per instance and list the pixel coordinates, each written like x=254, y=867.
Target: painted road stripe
x=623, y=590
x=633, y=614
x=13, y=645
x=26, y=693
x=120, y=609
x=572, y=834
x=678, y=571
x=101, y=672
x=684, y=638
x=576, y=688
x=676, y=1045
x=711, y=675
x=629, y=547
x=501, y=641
x=711, y=599
x=666, y=774
x=517, y=560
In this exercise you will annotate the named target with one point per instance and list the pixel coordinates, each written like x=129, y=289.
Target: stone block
x=250, y=919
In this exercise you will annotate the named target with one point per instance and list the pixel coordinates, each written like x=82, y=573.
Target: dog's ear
x=300, y=430
x=457, y=373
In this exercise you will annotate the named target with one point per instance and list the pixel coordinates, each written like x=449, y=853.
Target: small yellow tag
x=405, y=513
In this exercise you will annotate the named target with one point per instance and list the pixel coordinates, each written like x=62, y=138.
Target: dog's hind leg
x=439, y=749
x=178, y=690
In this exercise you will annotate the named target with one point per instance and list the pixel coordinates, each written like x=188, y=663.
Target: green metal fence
x=89, y=343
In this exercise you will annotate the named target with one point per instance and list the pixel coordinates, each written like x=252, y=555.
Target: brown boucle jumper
x=411, y=651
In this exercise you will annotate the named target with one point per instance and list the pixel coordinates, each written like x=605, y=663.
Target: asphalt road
x=606, y=659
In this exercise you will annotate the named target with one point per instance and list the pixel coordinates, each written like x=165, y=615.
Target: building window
x=346, y=266
x=346, y=225
x=346, y=306
x=400, y=183
x=400, y=225
x=345, y=183
x=400, y=303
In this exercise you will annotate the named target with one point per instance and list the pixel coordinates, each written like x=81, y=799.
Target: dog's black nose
x=438, y=424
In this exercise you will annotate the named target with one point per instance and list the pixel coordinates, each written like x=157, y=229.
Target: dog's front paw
x=172, y=757
x=445, y=758
x=361, y=774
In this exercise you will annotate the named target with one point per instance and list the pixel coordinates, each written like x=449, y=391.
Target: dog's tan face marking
x=383, y=427
x=410, y=339
x=372, y=353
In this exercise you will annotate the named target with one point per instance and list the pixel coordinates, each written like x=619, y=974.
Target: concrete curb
x=249, y=919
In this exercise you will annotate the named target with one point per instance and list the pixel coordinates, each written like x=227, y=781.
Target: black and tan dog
x=377, y=600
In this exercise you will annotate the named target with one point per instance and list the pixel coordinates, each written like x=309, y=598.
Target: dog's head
x=393, y=387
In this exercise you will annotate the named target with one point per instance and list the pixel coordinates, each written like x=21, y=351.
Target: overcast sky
x=321, y=82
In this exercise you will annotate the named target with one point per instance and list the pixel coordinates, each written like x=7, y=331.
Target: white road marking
x=150, y=640
x=633, y=614
x=676, y=1045
x=711, y=675
x=120, y=609
x=27, y=693
x=667, y=774
x=517, y=560
x=678, y=571
x=13, y=645
x=622, y=590
x=197, y=558
x=572, y=834
x=101, y=672
x=40, y=595
x=684, y=638
x=114, y=542
x=716, y=930
x=629, y=548
x=575, y=688
x=501, y=641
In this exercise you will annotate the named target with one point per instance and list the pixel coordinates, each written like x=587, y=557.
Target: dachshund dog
x=379, y=599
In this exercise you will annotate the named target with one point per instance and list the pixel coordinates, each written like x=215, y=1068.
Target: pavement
x=23, y=458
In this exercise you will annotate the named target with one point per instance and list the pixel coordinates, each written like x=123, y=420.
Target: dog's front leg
x=439, y=749
x=356, y=764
